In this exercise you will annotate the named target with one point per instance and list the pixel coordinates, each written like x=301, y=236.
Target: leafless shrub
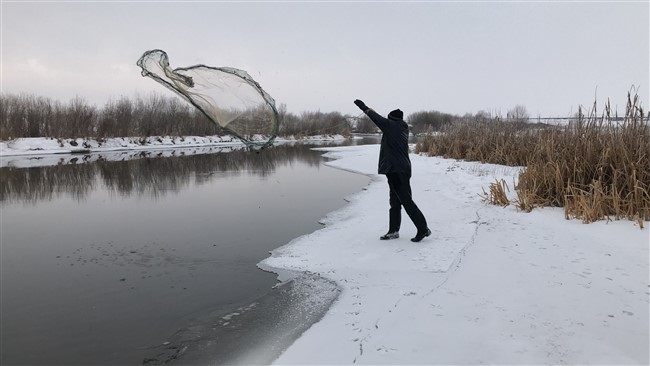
x=366, y=125
x=312, y=123
x=424, y=121
x=518, y=113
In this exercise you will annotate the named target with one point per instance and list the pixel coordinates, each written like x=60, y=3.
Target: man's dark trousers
x=400, y=195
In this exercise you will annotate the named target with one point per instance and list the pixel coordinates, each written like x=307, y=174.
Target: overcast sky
x=454, y=57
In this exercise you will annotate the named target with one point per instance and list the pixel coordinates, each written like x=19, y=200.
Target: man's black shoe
x=388, y=236
x=421, y=236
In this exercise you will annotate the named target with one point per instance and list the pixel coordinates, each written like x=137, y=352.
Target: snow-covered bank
x=491, y=285
x=38, y=152
x=48, y=145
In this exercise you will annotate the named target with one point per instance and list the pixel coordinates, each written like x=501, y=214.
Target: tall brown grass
x=497, y=194
x=596, y=167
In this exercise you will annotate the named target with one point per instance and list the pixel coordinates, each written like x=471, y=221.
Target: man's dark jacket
x=394, y=152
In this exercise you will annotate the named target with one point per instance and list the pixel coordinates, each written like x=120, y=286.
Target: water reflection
x=115, y=252
x=151, y=173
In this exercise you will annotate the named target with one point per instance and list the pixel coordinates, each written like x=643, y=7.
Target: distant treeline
x=27, y=115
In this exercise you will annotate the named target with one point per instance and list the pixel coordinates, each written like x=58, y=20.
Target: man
x=394, y=162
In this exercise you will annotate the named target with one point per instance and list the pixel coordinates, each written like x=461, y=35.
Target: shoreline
x=259, y=332
x=256, y=333
x=37, y=146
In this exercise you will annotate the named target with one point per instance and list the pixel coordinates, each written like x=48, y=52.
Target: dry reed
x=595, y=167
x=497, y=194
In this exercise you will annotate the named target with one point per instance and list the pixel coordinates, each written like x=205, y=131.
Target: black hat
x=396, y=114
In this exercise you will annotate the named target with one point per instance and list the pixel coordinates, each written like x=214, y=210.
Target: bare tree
x=365, y=125
x=429, y=120
x=518, y=114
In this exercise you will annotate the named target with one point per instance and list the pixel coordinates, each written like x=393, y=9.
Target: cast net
x=229, y=97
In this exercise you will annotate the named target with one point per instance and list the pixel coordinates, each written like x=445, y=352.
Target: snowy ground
x=490, y=286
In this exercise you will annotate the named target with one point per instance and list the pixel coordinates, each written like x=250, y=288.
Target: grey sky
x=454, y=57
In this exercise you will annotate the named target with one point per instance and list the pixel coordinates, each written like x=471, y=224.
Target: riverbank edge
x=253, y=334
x=299, y=300
x=49, y=145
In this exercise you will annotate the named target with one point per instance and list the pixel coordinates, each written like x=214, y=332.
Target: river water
x=105, y=256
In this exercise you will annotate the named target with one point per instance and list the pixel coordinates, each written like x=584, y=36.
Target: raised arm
x=375, y=117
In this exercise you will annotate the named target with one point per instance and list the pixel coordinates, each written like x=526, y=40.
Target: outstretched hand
x=361, y=105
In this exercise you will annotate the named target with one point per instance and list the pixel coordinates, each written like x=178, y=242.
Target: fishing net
x=229, y=97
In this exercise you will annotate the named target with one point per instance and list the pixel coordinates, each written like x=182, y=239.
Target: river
x=105, y=256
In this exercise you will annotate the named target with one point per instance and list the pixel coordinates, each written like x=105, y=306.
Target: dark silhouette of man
x=394, y=162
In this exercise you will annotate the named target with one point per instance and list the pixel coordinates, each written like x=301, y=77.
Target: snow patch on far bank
x=49, y=145
x=32, y=152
